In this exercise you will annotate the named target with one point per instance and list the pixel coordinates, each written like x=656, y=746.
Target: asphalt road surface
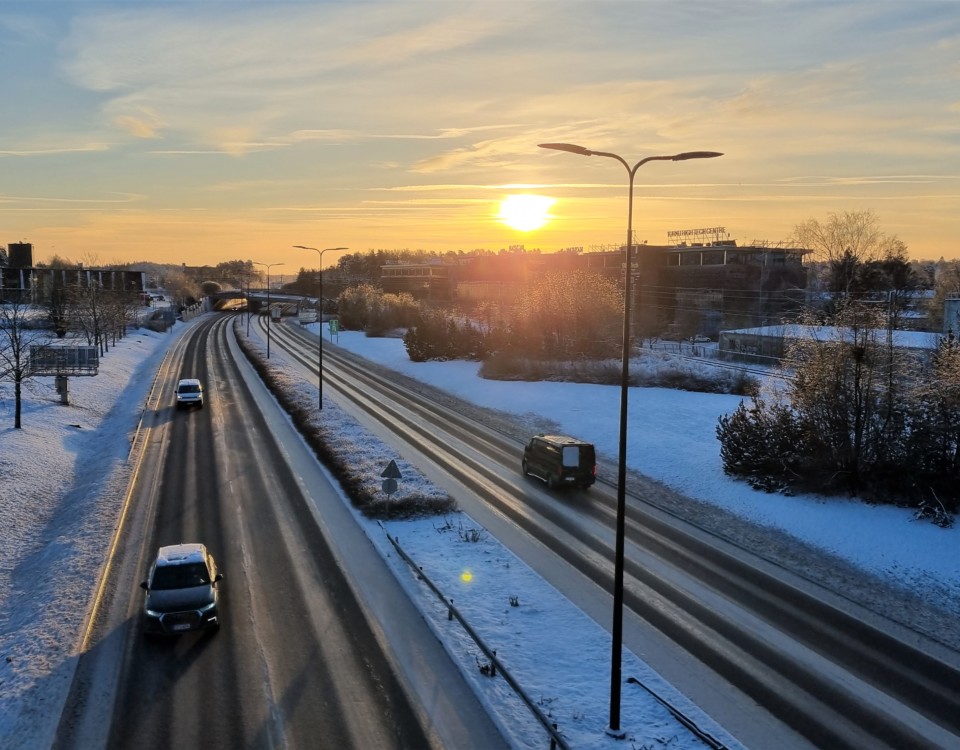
x=298, y=662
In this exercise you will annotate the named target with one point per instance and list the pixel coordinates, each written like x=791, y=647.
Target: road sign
x=64, y=360
x=392, y=471
x=389, y=486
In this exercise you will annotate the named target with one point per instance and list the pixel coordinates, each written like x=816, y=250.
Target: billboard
x=64, y=360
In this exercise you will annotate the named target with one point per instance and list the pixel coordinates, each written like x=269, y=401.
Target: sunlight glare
x=525, y=212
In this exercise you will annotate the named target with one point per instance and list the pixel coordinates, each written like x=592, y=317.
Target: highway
x=823, y=671
x=298, y=661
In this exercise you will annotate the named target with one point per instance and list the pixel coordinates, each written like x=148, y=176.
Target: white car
x=189, y=393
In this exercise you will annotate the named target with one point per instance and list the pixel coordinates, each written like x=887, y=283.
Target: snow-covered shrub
x=353, y=456
x=761, y=442
x=857, y=418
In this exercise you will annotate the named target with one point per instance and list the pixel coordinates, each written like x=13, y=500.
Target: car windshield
x=180, y=576
x=190, y=388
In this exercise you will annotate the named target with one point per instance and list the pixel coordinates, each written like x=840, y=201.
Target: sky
x=200, y=132
x=62, y=519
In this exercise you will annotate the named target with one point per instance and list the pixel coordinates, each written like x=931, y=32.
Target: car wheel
x=524, y=468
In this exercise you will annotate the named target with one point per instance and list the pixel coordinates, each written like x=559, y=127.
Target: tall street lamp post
x=269, y=266
x=617, y=629
x=247, y=301
x=320, y=313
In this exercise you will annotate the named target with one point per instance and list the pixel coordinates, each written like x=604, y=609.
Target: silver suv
x=183, y=591
x=189, y=393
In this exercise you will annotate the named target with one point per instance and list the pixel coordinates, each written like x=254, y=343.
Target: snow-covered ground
x=672, y=438
x=62, y=477
x=57, y=520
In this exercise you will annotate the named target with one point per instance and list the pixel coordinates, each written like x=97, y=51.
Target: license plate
x=182, y=626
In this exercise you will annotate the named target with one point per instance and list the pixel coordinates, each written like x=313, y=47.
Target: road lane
x=296, y=663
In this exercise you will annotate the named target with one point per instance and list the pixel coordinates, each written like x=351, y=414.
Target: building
x=768, y=344
x=701, y=283
x=21, y=281
x=435, y=280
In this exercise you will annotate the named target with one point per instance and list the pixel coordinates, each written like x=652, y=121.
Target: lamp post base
x=617, y=734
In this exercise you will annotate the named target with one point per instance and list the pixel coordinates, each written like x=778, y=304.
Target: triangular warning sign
x=392, y=471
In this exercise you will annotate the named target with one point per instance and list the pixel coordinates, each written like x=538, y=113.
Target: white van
x=189, y=393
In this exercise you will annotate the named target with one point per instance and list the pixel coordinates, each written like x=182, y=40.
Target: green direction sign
x=334, y=326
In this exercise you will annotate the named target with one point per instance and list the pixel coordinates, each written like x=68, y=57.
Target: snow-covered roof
x=180, y=554
x=901, y=339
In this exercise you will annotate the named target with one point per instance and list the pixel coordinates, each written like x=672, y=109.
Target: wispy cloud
x=144, y=125
x=54, y=150
x=449, y=187
x=197, y=70
x=56, y=203
x=320, y=107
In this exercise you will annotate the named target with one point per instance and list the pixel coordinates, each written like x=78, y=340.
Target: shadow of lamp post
x=617, y=630
x=320, y=312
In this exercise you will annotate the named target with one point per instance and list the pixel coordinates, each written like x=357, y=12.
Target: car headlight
x=207, y=607
x=151, y=613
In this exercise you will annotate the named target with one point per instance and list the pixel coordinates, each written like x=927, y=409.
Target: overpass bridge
x=257, y=299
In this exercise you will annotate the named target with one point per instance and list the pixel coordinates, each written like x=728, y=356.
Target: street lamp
x=247, y=298
x=617, y=630
x=320, y=339
x=269, y=266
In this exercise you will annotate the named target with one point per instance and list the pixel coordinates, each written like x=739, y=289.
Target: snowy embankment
x=63, y=478
x=672, y=439
x=559, y=655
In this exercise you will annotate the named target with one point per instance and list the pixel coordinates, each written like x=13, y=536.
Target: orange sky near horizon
x=183, y=133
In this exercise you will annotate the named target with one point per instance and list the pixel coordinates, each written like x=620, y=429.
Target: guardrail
x=496, y=666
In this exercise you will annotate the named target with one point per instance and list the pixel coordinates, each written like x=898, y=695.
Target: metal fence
x=496, y=666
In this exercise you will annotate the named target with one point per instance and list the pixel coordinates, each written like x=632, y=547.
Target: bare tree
x=842, y=423
x=181, y=287
x=845, y=242
x=946, y=284
x=20, y=329
x=88, y=313
x=854, y=233
x=849, y=389
x=120, y=309
x=575, y=314
x=54, y=298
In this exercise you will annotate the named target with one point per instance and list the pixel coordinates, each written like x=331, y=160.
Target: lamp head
x=570, y=147
x=696, y=155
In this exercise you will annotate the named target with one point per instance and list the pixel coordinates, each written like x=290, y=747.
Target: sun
x=525, y=212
